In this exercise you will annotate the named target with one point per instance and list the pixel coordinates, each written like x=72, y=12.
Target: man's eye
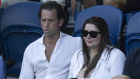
x=43, y=19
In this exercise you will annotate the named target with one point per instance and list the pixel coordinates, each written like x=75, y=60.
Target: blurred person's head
x=6, y=3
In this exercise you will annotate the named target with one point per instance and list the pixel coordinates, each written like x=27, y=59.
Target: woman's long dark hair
x=104, y=43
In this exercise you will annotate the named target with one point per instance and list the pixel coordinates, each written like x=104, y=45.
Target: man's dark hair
x=50, y=6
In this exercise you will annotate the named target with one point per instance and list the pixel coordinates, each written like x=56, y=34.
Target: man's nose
x=46, y=23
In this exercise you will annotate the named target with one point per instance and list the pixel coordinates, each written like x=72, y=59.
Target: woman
x=97, y=59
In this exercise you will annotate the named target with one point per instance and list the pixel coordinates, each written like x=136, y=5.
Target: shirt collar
x=104, y=54
x=40, y=40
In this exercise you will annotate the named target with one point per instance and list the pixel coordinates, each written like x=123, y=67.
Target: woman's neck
x=93, y=52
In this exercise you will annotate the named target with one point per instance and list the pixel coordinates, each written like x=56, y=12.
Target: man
x=49, y=56
x=132, y=64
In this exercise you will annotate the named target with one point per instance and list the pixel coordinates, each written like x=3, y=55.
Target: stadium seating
x=20, y=26
x=132, y=40
x=2, y=68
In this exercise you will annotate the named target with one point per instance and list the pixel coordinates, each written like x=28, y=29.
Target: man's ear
x=61, y=22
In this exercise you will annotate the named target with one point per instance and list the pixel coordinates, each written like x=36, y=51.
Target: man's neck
x=50, y=43
x=50, y=40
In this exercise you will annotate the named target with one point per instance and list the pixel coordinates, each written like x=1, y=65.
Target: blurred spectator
x=86, y=3
x=5, y=3
x=0, y=3
x=62, y=2
x=124, y=5
x=132, y=5
x=132, y=65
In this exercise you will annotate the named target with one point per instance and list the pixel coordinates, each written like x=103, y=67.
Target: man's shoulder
x=69, y=37
x=72, y=41
x=35, y=43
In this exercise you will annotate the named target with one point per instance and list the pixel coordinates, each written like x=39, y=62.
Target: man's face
x=50, y=24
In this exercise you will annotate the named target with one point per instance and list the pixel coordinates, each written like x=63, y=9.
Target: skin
x=121, y=77
x=50, y=24
x=92, y=42
x=51, y=28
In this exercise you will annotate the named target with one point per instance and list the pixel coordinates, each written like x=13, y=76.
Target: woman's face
x=89, y=35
